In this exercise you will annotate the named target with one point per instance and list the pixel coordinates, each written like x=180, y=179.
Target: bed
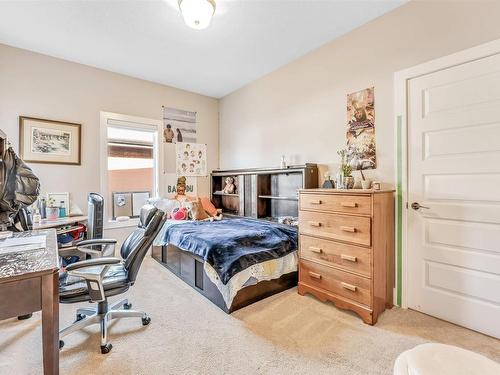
x=233, y=262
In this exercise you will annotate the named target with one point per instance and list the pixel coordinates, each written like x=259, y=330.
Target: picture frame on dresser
x=346, y=248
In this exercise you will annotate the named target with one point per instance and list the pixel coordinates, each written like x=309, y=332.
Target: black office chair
x=97, y=279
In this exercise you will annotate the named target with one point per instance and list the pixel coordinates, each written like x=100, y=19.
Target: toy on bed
x=183, y=207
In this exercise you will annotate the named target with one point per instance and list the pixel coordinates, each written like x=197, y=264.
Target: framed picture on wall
x=49, y=141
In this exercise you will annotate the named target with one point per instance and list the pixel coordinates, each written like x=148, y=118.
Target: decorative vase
x=52, y=213
x=348, y=182
x=366, y=184
x=339, y=179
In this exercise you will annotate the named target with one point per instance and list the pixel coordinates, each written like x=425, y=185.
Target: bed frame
x=260, y=193
x=189, y=268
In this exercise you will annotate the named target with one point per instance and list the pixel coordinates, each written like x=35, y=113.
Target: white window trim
x=136, y=122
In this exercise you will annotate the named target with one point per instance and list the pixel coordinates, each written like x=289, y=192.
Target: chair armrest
x=93, y=271
x=97, y=241
x=92, y=263
x=100, y=247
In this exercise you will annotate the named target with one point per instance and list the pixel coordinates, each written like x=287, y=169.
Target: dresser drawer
x=355, y=229
x=349, y=257
x=338, y=282
x=355, y=204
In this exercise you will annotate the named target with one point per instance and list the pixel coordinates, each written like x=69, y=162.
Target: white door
x=454, y=172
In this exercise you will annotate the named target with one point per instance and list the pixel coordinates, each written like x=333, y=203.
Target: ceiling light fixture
x=197, y=13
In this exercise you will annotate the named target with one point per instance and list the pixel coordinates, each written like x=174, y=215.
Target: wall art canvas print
x=191, y=159
x=48, y=141
x=361, y=129
x=178, y=125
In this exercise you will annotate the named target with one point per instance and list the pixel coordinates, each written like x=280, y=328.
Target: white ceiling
x=148, y=39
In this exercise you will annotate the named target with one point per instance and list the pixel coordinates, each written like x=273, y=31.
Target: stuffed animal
x=230, y=187
x=180, y=213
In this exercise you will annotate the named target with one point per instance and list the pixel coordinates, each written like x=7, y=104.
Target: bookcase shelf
x=263, y=192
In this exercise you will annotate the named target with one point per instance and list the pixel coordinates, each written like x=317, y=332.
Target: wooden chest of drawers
x=346, y=246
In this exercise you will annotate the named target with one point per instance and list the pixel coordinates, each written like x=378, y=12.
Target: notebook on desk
x=18, y=244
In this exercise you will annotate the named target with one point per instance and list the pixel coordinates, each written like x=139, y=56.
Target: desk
x=65, y=225
x=29, y=281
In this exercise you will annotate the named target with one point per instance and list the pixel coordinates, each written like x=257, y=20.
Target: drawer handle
x=315, y=275
x=351, y=287
x=314, y=223
x=348, y=229
x=349, y=204
x=318, y=201
x=316, y=249
x=350, y=258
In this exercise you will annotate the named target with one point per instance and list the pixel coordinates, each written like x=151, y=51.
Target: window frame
x=132, y=122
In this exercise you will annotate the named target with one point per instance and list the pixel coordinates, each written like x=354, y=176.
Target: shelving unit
x=263, y=192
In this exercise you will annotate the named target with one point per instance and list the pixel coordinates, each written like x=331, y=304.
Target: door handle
x=349, y=204
x=416, y=206
x=351, y=287
x=316, y=249
x=348, y=229
x=350, y=258
x=315, y=275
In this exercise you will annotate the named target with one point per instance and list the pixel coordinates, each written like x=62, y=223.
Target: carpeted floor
x=284, y=334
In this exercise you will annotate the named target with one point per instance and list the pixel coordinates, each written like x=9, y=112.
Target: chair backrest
x=137, y=244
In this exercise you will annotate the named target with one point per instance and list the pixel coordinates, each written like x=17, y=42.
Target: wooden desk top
x=22, y=264
x=45, y=224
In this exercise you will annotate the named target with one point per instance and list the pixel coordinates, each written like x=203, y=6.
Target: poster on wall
x=178, y=125
x=361, y=129
x=171, y=181
x=191, y=159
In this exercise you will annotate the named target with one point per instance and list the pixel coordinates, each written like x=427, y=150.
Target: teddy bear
x=230, y=187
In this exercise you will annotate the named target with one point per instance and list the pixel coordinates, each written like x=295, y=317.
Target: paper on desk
x=16, y=244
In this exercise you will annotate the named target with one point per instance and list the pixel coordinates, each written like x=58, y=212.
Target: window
x=130, y=158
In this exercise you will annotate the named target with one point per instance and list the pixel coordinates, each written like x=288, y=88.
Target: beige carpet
x=284, y=334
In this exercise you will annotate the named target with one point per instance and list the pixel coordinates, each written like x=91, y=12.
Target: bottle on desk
x=62, y=210
x=37, y=218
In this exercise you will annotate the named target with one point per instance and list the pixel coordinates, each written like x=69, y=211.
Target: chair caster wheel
x=146, y=321
x=127, y=306
x=105, y=349
x=61, y=344
x=80, y=317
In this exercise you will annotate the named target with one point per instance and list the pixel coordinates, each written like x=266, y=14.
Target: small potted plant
x=348, y=178
x=344, y=176
x=52, y=210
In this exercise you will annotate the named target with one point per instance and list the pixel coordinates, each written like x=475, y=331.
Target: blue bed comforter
x=232, y=245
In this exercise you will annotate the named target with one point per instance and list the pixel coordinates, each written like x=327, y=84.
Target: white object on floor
x=441, y=359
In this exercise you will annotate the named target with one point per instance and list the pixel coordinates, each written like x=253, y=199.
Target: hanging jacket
x=20, y=188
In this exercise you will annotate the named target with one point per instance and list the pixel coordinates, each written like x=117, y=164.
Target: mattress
x=238, y=252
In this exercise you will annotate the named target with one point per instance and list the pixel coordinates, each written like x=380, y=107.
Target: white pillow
x=166, y=205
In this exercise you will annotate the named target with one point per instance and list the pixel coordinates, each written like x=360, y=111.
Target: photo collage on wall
x=361, y=130
x=179, y=127
x=191, y=159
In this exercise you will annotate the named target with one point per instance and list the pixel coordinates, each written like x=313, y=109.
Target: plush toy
x=180, y=213
x=230, y=187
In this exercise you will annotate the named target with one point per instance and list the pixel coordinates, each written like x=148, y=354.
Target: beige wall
x=36, y=85
x=300, y=109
